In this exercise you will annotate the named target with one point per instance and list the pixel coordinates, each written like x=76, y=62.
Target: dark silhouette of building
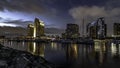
x=72, y=31
x=93, y=31
x=116, y=28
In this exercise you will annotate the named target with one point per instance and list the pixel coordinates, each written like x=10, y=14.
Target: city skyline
x=58, y=13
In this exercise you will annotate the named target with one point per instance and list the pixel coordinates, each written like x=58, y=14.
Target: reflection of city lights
x=113, y=49
x=54, y=45
x=97, y=46
x=101, y=56
x=41, y=50
x=11, y=43
x=34, y=47
x=100, y=48
x=23, y=43
x=42, y=55
x=103, y=46
x=75, y=48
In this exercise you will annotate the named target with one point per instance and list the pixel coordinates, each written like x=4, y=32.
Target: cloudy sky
x=57, y=13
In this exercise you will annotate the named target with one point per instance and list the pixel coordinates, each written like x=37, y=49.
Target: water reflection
x=113, y=49
x=54, y=45
x=102, y=54
x=71, y=51
x=36, y=48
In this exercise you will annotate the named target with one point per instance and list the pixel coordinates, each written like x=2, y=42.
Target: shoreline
x=12, y=58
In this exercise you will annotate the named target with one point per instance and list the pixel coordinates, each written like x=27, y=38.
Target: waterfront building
x=72, y=31
x=38, y=28
x=30, y=29
x=116, y=29
x=93, y=31
x=97, y=29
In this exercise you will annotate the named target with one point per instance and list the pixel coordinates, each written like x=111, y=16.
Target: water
x=100, y=55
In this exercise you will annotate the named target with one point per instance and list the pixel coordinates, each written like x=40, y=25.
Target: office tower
x=38, y=28
x=72, y=31
x=93, y=32
x=97, y=29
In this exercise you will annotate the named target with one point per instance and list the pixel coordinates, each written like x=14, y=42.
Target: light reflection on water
x=102, y=54
x=36, y=49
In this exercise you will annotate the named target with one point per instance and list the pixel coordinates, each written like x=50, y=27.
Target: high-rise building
x=30, y=30
x=116, y=28
x=38, y=28
x=95, y=30
x=72, y=31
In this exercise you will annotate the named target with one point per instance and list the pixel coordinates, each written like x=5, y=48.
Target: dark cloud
x=42, y=6
x=44, y=9
x=28, y=6
x=35, y=6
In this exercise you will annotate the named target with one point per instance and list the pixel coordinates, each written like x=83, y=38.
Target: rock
x=11, y=58
x=3, y=64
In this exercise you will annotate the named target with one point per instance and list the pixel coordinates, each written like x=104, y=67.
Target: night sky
x=57, y=13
